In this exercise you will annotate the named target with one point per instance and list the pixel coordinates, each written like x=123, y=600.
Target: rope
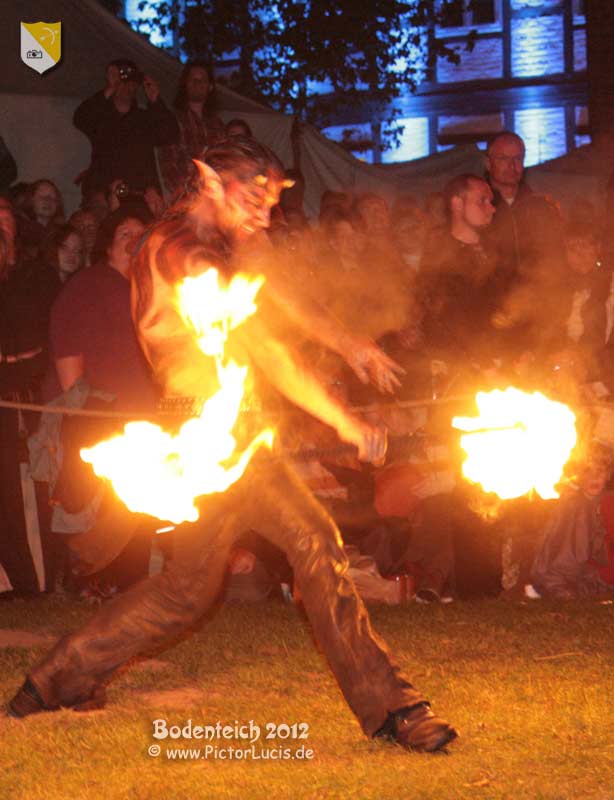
x=161, y=412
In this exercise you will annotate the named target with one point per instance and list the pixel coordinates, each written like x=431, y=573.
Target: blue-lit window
x=357, y=139
x=414, y=141
x=469, y=14
x=543, y=131
x=579, y=8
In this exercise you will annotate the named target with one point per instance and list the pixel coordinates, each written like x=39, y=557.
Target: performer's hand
x=371, y=364
x=152, y=90
x=370, y=440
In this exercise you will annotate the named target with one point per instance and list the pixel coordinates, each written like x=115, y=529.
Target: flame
x=161, y=474
x=519, y=442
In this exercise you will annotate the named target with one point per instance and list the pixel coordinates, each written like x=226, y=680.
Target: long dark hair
x=53, y=242
x=181, y=98
x=29, y=204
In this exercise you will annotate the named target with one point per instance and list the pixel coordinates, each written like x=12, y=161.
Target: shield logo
x=41, y=44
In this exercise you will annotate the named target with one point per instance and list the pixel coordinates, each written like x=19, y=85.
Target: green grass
x=531, y=727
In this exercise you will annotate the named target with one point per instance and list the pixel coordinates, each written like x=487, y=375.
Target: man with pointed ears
x=242, y=181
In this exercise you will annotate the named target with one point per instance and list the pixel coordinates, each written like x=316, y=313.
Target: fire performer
x=242, y=182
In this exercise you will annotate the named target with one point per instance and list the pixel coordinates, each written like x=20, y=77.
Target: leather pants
x=272, y=500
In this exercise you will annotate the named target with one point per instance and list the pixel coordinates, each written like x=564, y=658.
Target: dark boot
x=417, y=728
x=28, y=701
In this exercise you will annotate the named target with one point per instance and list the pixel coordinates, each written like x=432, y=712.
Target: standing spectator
x=42, y=211
x=23, y=327
x=199, y=126
x=527, y=227
x=122, y=135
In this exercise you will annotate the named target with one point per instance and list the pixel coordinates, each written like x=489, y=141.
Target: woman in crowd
x=63, y=252
x=92, y=339
x=43, y=210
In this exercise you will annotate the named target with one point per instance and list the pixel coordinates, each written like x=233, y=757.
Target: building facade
x=525, y=71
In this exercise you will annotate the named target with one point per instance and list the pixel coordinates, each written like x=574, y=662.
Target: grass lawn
x=529, y=686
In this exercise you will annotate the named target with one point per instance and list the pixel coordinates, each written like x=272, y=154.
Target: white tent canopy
x=36, y=122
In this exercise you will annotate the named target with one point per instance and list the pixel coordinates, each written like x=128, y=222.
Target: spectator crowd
x=485, y=284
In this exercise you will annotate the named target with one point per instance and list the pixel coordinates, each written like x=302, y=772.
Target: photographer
x=123, y=136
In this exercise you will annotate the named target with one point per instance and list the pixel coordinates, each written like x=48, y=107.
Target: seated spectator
x=238, y=127
x=410, y=227
x=96, y=204
x=92, y=334
x=122, y=135
x=63, y=252
x=457, y=285
x=332, y=201
x=586, y=288
x=199, y=127
x=86, y=224
x=92, y=338
x=19, y=195
x=366, y=292
x=43, y=210
x=572, y=550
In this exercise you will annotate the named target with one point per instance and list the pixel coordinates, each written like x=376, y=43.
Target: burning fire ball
x=519, y=442
x=156, y=473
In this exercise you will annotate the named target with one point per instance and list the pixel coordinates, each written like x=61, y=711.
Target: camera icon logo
x=34, y=54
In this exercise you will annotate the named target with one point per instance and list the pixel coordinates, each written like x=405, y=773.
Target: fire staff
x=243, y=181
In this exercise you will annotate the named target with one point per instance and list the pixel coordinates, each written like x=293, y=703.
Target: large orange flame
x=156, y=473
x=519, y=442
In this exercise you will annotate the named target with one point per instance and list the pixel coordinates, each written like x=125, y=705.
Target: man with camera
x=122, y=134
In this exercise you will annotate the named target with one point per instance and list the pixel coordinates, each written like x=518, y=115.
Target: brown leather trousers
x=272, y=500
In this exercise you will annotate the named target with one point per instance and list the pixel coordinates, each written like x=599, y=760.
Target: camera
x=128, y=72
x=123, y=190
x=34, y=54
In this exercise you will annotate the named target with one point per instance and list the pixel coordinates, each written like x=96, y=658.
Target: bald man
x=527, y=227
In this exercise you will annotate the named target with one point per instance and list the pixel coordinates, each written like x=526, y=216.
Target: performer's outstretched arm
x=361, y=353
x=305, y=390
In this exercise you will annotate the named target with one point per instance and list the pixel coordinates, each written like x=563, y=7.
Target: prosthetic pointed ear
x=211, y=183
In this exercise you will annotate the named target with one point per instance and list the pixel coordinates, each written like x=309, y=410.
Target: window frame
x=468, y=25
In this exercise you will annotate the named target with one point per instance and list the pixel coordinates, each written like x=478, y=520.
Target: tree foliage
x=311, y=57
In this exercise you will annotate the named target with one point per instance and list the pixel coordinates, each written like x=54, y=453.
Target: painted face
x=70, y=255
x=126, y=237
x=45, y=201
x=506, y=162
x=247, y=206
x=197, y=85
x=478, y=209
